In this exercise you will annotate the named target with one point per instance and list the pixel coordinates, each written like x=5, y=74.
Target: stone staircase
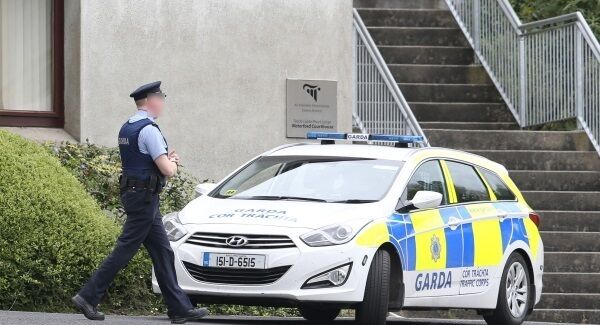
x=457, y=105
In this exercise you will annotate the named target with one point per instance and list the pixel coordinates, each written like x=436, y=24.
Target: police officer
x=146, y=163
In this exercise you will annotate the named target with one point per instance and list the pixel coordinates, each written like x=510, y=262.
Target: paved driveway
x=15, y=317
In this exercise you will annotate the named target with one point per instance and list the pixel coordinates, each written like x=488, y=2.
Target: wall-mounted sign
x=311, y=106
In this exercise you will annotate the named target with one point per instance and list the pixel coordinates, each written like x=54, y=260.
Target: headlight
x=173, y=226
x=333, y=235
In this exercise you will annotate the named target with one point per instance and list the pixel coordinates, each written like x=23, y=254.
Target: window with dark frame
x=31, y=63
x=501, y=191
x=467, y=184
x=428, y=177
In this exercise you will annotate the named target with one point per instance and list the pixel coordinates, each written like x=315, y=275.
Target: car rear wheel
x=374, y=308
x=513, y=296
x=317, y=314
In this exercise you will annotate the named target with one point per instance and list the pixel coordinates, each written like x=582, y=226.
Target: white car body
x=375, y=226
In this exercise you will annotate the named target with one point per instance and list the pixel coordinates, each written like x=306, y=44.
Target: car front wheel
x=513, y=296
x=374, y=308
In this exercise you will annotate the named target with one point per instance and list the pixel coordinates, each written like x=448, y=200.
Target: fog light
x=330, y=278
x=337, y=277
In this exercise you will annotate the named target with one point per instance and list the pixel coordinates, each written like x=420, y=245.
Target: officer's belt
x=130, y=182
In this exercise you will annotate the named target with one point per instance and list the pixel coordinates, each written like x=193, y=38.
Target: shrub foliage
x=531, y=10
x=98, y=169
x=53, y=235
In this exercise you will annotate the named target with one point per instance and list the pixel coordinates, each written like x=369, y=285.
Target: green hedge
x=53, y=235
x=98, y=169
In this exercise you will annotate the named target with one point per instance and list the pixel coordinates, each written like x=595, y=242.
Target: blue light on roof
x=364, y=137
x=396, y=138
x=326, y=135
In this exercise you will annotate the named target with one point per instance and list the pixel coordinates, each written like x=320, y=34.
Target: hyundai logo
x=236, y=241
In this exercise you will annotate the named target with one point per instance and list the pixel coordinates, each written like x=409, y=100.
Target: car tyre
x=319, y=315
x=374, y=308
x=514, y=294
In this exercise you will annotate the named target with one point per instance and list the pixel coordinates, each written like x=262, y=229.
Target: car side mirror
x=423, y=200
x=204, y=188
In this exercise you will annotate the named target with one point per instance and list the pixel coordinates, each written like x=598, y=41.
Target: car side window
x=428, y=177
x=500, y=189
x=467, y=184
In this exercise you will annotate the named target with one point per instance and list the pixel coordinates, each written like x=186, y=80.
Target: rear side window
x=498, y=187
x=467, y=184
x=428, y=177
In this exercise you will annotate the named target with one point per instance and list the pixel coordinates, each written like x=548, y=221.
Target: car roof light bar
x=331, y=137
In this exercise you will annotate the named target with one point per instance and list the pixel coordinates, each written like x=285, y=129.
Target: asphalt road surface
x=15, y=317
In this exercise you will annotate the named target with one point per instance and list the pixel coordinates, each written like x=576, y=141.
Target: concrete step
x=425, y=92
x=567, y=200
x=510, y=140
x=428, y=36
x=569, y=301
x=470, y=125
x=563, y=241
x=581, y=221
x=571, y=316
x=556, y=180
x=460, y=112
x=566, y=282
x=379, y=17
x=542, y=160
x=572, y=262
x=406, y=4
x=439, y=74
x=393, y=54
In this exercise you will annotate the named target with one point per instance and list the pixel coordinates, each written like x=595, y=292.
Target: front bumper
x=304, y=261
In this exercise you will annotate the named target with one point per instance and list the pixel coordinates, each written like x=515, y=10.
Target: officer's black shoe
x=88, y=310
x=192, y=314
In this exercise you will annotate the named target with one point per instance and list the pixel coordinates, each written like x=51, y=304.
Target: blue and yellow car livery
x=454, y=255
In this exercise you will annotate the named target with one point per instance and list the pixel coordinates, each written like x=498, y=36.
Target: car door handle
x=453, y=223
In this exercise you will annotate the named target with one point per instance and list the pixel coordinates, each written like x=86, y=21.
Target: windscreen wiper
x=279, y=197
x=354, y=201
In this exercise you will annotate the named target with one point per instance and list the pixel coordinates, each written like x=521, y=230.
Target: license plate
x=237, y=261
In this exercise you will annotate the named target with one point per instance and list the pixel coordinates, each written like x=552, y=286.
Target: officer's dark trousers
x=143, y=226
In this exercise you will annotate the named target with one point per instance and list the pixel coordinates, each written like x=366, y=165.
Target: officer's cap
x=145, y=90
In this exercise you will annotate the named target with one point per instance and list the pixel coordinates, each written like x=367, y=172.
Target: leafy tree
x=531, y=10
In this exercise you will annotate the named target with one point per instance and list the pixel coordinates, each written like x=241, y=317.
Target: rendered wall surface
x=223, y=64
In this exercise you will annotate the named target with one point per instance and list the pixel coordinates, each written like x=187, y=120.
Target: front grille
x=254, y=241
x=235, y=276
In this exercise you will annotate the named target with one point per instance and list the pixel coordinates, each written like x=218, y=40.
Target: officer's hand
x=173, y=157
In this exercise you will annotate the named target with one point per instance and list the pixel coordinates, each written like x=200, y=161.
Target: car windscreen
x=307, y=178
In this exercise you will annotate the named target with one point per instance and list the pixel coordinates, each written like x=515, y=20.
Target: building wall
x=223, y=64
x=72, y=50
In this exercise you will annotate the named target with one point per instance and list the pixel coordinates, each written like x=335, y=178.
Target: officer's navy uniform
x=140, y=143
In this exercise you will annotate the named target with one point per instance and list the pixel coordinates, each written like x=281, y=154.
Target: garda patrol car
x=375, y=228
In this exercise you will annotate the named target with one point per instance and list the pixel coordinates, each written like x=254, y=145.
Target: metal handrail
x=566, y=18
x=379, y=106
x=546, y=71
